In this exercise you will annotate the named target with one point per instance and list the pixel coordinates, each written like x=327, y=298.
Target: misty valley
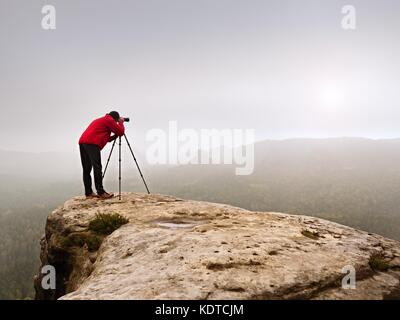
x=355, y=182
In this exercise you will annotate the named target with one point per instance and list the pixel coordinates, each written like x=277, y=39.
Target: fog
x=284, y=68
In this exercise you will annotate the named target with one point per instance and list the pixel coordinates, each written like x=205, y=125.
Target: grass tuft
x=378, y=262
x=74, y=240
x=107, y=223
x=93, y=242
x=102, y=225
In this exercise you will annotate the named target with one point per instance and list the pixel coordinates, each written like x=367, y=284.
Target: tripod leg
x=119, y=182
x=137, y=165
x=109, y=157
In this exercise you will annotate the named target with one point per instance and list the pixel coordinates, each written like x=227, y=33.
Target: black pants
x=91, y=158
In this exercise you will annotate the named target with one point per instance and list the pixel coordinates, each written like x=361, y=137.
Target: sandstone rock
x=179, y=249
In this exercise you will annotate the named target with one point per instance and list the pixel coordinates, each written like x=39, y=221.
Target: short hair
x=115, y=115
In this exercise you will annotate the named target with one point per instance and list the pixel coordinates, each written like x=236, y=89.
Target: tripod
x=119, y=162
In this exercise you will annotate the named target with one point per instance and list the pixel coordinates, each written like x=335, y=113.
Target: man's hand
x=121, y=120
x=112, y=138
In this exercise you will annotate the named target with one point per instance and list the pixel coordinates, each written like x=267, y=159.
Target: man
x=92, y=141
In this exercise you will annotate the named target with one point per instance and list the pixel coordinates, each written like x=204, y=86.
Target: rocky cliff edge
x=180, y=249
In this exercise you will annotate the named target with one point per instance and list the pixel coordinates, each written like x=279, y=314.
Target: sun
x=331, y=96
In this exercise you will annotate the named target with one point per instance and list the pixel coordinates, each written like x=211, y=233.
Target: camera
x=127, y=119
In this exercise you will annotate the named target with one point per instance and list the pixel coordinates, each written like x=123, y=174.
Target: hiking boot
x=106, y=195
x=92, y=196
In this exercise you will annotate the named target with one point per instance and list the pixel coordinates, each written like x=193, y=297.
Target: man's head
x=115, y=115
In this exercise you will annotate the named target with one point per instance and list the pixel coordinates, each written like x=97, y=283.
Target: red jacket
x=99, y=131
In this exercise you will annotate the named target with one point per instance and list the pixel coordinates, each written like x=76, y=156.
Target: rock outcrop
x=179, y=249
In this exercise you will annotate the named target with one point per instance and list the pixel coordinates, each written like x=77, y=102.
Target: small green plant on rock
x=93, y=242
x=74, y=240
x=378, y=262
x=106, y=223
x=102, y=225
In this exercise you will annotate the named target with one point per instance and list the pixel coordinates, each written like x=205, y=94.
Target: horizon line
x=255, y=142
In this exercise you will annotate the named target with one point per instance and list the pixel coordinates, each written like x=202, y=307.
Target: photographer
x=92, y=141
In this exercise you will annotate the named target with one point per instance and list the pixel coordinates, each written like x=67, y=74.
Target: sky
x=286, y=69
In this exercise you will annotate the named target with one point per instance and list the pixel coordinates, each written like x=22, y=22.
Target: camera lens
x=127, y=119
